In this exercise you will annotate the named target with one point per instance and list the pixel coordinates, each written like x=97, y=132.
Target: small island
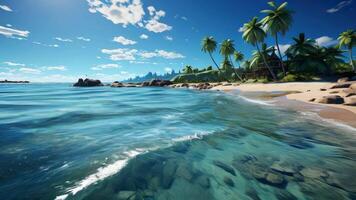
x=6, y=81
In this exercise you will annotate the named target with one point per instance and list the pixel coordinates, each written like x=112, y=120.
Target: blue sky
x=61, y=40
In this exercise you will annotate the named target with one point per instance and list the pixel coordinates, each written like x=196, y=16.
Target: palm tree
x=278, y=20
x=209, y=45
x=257, y=57
x=227, y=49
x=188, y=69
x=348, y=39
x=239, y=57
x=254, y=34
x=302, y=46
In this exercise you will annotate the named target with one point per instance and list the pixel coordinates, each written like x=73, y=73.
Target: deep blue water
x=60, y=142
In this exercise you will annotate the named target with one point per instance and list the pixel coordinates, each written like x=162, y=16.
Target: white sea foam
x=101, y=174
x=195, y=136
x=266, y=103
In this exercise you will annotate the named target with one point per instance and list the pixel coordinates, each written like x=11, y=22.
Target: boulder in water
x=117, y=84
x=88, y=83
x=228, y=181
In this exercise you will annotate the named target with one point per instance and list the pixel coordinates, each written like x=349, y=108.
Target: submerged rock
x=126, y=195
x=225, y=167
x=314, y=173
x=284, y=168
x=169, y=170
x=228, y=181
x=88, y=83
x=203, y=181
x=252, y=193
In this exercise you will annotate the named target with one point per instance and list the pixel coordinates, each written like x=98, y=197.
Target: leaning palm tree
x=254, y=34
x=227, y=49
x=348, y=39
x=209, y=45
x=239, y=57
x=278, y=20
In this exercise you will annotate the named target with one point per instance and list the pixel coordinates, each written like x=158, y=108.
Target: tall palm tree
x=254, y=34
x=348, y=39
x=278, y=20
x=257, y=57
x=302, y=46
x=239, y=57
x=227, y=49
x=188, y=69
x=209, y=45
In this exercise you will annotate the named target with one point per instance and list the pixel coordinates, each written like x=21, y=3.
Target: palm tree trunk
x=265, y=61
x=280, y=55
x=352, y=60
x=217, y=66
x=238, y=76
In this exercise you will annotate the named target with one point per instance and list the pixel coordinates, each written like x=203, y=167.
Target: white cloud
x=58, y=68
x=124, y=41
x=29, y=70
x=144, y=36
x=14, y=64
x=6, y=8
x=63, y=39
x=119, y=11
x=169, y=38
x=339, y=6
x=153, y=24
x=122, y=75
x=184, y=18
x=283, y=48
x=9, y=32
x=83, y=39
x=241, y=29
x=46, y=45
x=120, y=54
x=325, y=41
x=105, y=66
x=130, y=54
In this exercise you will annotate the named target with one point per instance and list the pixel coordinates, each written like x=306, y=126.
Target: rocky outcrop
x=88, y=83
x=117, y=84
x=157, y=83
x=331, y=99
x=341, y=85
x=350, y=101
x=6, y=81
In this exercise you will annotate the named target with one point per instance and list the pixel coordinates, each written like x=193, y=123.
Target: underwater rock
x=126, y=195
x=250, y=192
x=284, y=168
x=271, y=178
x=203, y=181
x=184, y=171
x=181, y=148
x=285, y=195
x=314, y=173
x=314, y=188
x=228, y=181
x=168, y=173
x=225, y=167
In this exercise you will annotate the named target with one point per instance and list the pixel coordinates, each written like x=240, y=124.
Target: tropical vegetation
x=303, y=60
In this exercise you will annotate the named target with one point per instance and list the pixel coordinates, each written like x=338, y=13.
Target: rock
x=353, y=86
x=125, y=195
x=252, y=193
x=314, y=173
x=322, y=89
x=343, y=80
x=225, y=167
x=275, y=180
x=285, y=195
x=341, y=85
x=284, y=168
x=184, y=171
x=185, y=85
x=227, y=84
x=157, y=83
x=117, y=84
x=203, y=181
x=228, y=181
x=349, y=92
x=331, y=99
x=88, y=83
x=168, y=174
x=203, y=86
x=312, y=99
x=351, y=101
x=334, y=92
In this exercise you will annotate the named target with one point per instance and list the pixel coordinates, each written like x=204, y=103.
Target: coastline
x=297, y=96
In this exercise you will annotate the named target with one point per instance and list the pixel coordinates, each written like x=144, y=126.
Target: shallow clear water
x=59, y=142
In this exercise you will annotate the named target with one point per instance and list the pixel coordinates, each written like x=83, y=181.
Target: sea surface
x=60, y=142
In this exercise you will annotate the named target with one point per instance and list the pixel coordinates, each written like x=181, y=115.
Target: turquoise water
x=59, y=142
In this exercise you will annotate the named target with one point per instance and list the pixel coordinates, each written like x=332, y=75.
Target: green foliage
x=297, y=77
x=209, y=68
x=278, y=20
x=206, y=76
x=253, y=32
x=347, y=39
x=238, y=56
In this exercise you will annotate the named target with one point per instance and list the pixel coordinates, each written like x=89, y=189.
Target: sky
x=62, y=40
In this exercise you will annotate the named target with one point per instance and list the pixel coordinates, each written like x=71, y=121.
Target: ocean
x=60, y=142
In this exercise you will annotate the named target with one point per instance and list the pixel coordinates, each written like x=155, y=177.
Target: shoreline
x=297, y=96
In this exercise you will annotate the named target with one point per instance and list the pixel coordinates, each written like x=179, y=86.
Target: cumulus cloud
x=131, y=54
x=169, y=38
x=325, y=41
x=83, y=39
x=63, y=39
x=144, y=36
x=6, y=8
x=13, y=64
x=58, y=68
x=153, y=24
x=10, y=32
x=120, y=54
x=29, y=70
x=339, y=6
x=122, y=12
x=124, y=41
x=105, y=66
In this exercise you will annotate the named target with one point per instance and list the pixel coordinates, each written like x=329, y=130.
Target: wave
x=256, y=101
x=196, y=136
x=101, y=174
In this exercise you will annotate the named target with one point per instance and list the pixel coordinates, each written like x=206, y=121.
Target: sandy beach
x=304, y=92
